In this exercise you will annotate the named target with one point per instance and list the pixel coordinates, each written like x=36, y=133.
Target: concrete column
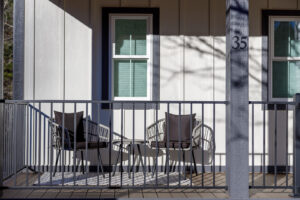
x=1, y=89
x=237, y=110
x=296, y=158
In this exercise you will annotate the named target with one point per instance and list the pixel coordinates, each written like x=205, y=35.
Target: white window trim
x=149, y=55
x=272, y=58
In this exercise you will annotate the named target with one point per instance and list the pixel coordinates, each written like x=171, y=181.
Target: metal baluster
x=44, y=140
x=133, y=147
x=75, y=141
x=35, y=139
x=98, y=132
x=110, y=139
x=40, y=143
x=287, y=144
x=214, y=143
x=145, y=149
x=121, y=146
x=86, y=141
x=191, y=144
x=157, y=149
x=63, y=144
x=27, y=143
x=168, y=145
x=179, y=146
x=264, y=145
x=15, y=144
x=30, y=136
x=202, y=144
x=48, y=144
x=275, y=169
x=252, y=144
x=51, y=143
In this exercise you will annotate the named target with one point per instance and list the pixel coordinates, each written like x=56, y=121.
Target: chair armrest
x=152, y=130
x=95, y=131
x=203, y=140
x=56, y=134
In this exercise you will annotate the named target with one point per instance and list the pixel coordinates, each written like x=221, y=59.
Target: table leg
x=116, y=163
x=129, y=153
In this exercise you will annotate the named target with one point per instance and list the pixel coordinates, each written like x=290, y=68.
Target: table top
x=130, y=141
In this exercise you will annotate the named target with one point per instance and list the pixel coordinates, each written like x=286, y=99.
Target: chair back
x=157, y=130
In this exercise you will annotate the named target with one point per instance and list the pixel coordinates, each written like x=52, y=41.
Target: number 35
x=239, y=42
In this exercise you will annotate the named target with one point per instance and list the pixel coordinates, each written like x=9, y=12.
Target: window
x=284, y=73
x=131, y=57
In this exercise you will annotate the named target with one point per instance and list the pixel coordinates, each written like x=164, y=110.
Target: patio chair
x=158, y=130
x=97, y=136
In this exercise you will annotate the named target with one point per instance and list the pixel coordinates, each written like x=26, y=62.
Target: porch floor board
x=147, y=193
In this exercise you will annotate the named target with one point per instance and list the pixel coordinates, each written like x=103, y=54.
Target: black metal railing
x=270, y=138
x=126, y=144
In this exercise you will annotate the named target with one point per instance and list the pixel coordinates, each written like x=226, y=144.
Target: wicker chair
x=199, y=140
x=97, y=138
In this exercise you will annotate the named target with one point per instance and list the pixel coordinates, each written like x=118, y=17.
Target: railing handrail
x=112, y=101
x=273, y=102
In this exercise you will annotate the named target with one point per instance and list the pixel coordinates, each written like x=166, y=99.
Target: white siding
x=63, y=56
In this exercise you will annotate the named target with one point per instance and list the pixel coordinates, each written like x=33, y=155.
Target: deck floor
x=146, y=193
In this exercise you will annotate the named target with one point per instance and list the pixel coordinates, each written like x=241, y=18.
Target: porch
x=171, y=107
x=32, y=163
x=68, y=192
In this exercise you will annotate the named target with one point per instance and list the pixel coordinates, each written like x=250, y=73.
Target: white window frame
x=272, y=58
x=148, y=56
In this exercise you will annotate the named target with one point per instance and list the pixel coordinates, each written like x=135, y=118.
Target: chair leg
x=183, y=159
x=195, y=165
x=101, y=163
x=155, y=163
x=166, y=165
x=115, y=168
x=129, y=160
x=82, y=162
x=56, y=162
x=141, y=159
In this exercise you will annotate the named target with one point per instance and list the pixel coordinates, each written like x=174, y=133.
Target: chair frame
x=156, y=132
x=94, y=135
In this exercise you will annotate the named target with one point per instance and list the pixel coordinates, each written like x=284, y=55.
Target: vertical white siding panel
x=217, y=24
x=29, y=51
x=49, y=40
x=78, y=46
x=170, y=49
x=217, y=19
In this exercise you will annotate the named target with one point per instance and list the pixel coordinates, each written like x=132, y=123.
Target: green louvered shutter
x=139, y=78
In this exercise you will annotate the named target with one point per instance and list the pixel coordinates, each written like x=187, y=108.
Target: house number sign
x=240, y=42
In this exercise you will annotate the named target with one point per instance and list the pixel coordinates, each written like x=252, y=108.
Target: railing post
x=296, y=158
x=237, y=110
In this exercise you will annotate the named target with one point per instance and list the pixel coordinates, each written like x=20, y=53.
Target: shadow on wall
x=81, y=11
x=182, y=42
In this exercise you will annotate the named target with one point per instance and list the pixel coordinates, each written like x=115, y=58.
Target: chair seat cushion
x=177, y=145
x=91, y=145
